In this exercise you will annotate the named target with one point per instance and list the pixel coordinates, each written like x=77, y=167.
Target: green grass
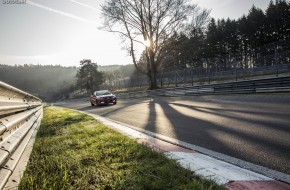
x=75, y=151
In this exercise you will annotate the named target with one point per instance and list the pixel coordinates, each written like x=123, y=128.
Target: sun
x=146, y=43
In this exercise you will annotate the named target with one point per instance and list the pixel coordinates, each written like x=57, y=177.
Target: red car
x=102, y=97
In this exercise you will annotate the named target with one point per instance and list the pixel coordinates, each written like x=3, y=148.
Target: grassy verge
x=74, y=151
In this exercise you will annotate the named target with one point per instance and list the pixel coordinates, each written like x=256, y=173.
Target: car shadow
x=95, y=107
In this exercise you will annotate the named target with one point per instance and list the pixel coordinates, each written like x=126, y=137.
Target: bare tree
x=149, y=22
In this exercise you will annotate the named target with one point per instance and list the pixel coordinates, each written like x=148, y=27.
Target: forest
x=253, y=40
x=52, y=82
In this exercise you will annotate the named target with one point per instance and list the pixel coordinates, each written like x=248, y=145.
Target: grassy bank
x=74, y=151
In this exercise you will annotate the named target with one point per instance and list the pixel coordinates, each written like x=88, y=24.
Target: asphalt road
x=254, y=128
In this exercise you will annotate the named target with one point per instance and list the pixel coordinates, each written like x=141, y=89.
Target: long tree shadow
x=208, y=134
x=253, y=136
x=120, y=107
x=189, y=129
x=231, y=114
x=151, y=124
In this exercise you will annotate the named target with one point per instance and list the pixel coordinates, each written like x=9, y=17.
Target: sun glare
x=146, y=43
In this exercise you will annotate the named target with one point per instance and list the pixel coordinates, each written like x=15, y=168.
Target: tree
x=88, y=76
x=278, y=16
x=150, y=21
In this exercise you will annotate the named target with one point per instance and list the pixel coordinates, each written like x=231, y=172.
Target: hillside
x=50, y=82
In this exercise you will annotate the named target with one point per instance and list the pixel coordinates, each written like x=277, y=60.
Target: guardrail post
x=191, y=71
x=175, y=79
x=236, y=72
x=161, y=80
x=208, y=70
x=276, y=61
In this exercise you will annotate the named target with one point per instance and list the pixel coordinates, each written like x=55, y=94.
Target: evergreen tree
x=88, y=76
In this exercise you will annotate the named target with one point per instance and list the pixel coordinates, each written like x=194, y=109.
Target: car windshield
x=103, y=92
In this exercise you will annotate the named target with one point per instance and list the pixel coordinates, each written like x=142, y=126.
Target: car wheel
x=114, y=103
x=92, y=104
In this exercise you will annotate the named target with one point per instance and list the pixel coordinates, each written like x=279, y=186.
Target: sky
x=64, y=32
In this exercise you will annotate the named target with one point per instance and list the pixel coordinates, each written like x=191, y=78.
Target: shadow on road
x=94, y=107
x=241, y=115
x=239, y=137
x=151, y=124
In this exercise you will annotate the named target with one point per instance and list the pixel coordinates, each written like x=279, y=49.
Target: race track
x=254, y=128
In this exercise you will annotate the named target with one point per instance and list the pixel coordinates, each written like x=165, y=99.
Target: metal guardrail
x=267, y=85
x=20, y=115
x=198, y=75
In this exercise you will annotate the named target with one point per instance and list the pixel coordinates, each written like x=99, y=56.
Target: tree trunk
x=153, y=81
x=153, y=69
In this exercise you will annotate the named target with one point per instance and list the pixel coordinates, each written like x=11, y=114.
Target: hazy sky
x=63, y=32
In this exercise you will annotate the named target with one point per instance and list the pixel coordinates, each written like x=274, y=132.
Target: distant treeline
x=51, y=82
x=252, y=40
x=47, y=82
